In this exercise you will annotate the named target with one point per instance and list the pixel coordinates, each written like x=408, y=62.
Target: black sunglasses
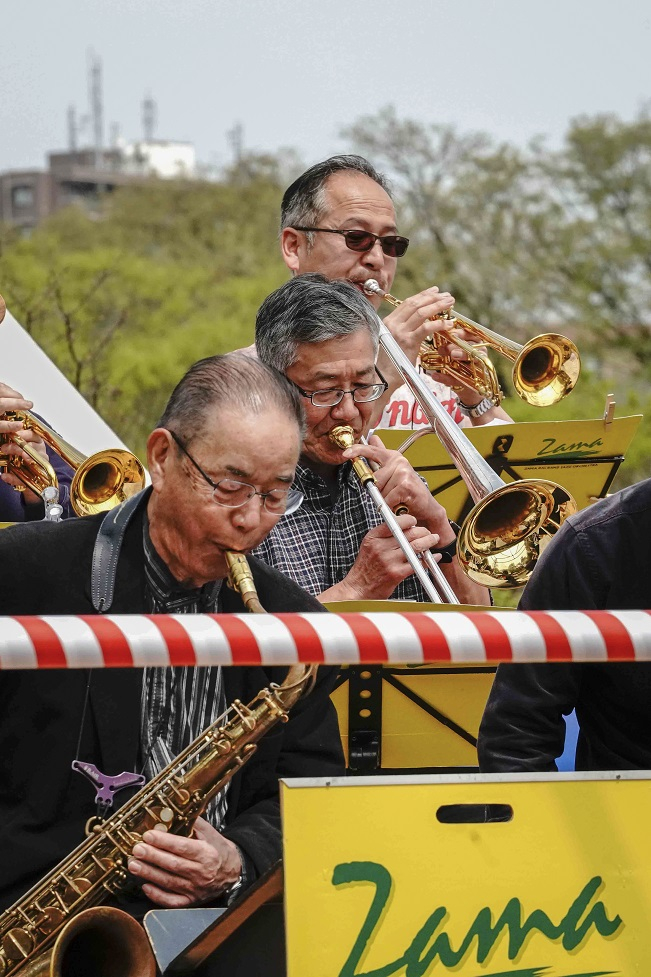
x=392, y=245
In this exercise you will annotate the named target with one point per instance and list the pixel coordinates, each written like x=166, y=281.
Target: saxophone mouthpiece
x=240, y=579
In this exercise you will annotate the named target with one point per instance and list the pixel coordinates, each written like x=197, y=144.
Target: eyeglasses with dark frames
x=392, y=245
x=364, y=393
x=233, y=494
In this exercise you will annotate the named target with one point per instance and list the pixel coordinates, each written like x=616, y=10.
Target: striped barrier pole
x=455, y=637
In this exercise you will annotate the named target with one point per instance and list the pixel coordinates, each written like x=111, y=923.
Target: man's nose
x=248, y=516
x=375, y=257
x=346, y=409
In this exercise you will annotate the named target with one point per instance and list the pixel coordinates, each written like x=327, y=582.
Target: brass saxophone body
x=35, y=933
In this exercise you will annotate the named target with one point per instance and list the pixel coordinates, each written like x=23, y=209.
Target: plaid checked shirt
x=317, y=545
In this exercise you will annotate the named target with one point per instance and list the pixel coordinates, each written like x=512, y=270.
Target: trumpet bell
x=546, y=369
x=105, y=480
x=502, y=538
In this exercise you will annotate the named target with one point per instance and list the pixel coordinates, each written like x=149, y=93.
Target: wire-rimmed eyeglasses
x=233, y=494
x=363, y=393
x=393, y=245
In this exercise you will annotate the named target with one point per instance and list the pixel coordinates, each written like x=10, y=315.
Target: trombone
x=100, y=482
x=434, y=584
x=506, y=530
x=544, y=370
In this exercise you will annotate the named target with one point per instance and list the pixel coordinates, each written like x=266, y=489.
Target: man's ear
x=290, y=243
x=160, y=454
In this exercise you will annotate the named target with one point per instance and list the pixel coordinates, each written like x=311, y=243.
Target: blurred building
x=82, y=176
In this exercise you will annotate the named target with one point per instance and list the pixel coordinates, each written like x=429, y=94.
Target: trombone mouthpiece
x=342, y=436
x=371, y=287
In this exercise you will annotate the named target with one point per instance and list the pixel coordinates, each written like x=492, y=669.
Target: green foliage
x=528, y=241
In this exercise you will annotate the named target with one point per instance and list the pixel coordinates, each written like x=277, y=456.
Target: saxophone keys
x=167, y=815
x=50, y=918
x=17, y=944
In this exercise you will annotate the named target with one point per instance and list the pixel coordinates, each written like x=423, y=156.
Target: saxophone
x=57, y=928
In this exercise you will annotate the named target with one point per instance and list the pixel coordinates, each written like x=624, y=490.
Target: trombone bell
x=505, y=533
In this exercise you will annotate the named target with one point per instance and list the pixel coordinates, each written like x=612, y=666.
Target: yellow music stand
x=582, y=456
x=407, y=719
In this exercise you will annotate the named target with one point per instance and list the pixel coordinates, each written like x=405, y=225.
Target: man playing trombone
x=323, y=335
x=338, y=219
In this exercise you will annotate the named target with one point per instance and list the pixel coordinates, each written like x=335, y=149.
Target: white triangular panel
x=26, y=368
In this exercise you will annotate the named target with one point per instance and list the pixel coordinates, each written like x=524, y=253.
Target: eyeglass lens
x=392, y=245
x=234, y=494
x=361, y=395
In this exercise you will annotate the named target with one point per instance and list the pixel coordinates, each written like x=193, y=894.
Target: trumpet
x=545, y=369
x=506, y=530
x=100, y=482
x=434, y=584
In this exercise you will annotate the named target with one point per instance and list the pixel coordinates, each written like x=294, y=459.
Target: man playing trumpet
x=323, y=335
x=338, y=219
x=17, y=503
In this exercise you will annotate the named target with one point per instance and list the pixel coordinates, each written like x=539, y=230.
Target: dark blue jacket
x=599, y=560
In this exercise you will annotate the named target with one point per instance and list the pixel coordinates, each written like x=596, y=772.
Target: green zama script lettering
x=432, y=944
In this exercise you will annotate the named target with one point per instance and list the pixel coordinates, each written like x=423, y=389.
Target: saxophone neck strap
x=107, y=551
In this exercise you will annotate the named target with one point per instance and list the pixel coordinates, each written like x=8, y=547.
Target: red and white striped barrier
x=457, y=637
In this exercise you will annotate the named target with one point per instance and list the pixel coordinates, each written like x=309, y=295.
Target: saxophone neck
x=240, y=579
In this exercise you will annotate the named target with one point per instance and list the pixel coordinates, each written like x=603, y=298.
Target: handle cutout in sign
x=474, y=813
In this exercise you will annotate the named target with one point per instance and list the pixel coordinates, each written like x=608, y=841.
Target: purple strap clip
x=106, y=786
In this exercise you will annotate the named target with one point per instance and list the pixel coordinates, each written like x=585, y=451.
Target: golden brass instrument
x=544, y=370
x=53, y=921
x=100, y=482
x=435, y=585
x=503, y=535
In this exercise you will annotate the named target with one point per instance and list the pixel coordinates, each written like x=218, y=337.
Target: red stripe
x=495, y=637
x=49, y=650
x=557, y=644
x=178, y=641
x=619, y=645
x=243, y=646
x=115, y=647
x=370, y=642
x=434, y=642
x=306, y=638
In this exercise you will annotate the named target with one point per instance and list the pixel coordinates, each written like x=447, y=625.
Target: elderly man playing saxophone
x=222, y=461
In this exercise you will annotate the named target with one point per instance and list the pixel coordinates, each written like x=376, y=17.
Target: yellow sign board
x=376, y=885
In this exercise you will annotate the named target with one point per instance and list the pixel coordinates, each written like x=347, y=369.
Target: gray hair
x=310, y=309
x=304, y=202
x=232, y=380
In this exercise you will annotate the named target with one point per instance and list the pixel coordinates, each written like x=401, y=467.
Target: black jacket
x=44, y=805
x=599, y=560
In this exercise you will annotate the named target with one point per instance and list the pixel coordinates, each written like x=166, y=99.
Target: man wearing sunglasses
x=222, y=461
x=338, y=219
x=323, y=335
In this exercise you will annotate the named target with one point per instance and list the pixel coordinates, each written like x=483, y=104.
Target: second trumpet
x=544, y=370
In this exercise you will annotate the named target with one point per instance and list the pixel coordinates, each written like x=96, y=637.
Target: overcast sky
x=293, y=72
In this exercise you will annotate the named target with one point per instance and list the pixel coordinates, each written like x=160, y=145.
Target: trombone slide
x=437, y=589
